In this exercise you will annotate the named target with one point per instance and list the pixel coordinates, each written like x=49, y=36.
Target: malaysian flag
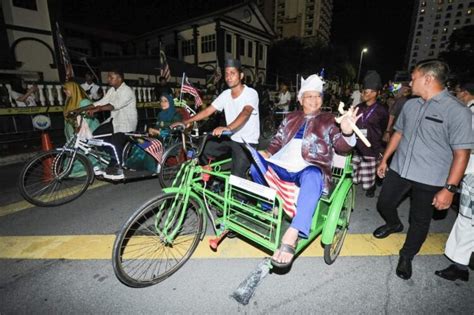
x=153, y=147
x=288, y=191
x=164, y=67
x=190, y=89
x=65, y=60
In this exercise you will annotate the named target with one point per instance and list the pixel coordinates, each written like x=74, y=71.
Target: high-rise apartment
x=433, y=22
x=308, y=19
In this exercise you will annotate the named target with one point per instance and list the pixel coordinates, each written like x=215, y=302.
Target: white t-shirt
x=232, y=107
x=124, y=115
x=29, y=102
x=285, y=98
x=92, y=90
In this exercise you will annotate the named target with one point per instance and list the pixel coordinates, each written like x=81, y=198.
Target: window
x=436, y=24
x=434, y=39
x=25, y=4
x=460, y=6
x=228, y=43
x=413, y=61
x=188, y=48
x=415, y=47
x=448, y=15
x=418, y=33
x=242, y=47
x=449, y=8
x=458, y=14
x=432, y=46
x=435, y=31
x=250, y=50
x=421, y=19
x=415, y=54
x=417, y=40
x=445, y=30
x=260, y=52
x=457, y=22
x=431, y=53
x=443, y=38
x=423, y=4
x=208, y=43
x=438, y=16
x=446, y=23
x=420, y=26
x=467, y=21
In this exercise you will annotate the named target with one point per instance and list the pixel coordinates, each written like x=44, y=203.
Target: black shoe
x=114, y=173
x=453, y=273
x=370, y=193
x=385, y=230
x=404, y=268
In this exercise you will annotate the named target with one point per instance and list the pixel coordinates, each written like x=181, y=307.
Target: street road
x=57, y=260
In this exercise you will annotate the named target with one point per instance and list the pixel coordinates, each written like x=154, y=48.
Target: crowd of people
x=420, y=133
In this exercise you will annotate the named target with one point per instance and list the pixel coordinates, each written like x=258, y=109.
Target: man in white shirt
x=240, y=105
x=121, y=102
x=91, y=88
x=460, y=244
x=284, y=98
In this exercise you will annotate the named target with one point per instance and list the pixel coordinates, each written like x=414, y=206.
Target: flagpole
x=181, y=92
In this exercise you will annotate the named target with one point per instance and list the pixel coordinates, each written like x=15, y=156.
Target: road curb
x=17, y=158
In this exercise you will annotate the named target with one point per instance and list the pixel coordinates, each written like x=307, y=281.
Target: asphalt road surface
x=57, y=260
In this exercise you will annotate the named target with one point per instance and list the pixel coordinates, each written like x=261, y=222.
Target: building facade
x=239, y=32
x=308, y=19
x=433, y=22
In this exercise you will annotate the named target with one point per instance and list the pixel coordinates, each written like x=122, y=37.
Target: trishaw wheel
x=331, y=251
x=144, y=253
x=54, y=178
x=173, y=157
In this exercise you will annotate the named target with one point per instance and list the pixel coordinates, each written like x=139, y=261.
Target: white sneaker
x=114, y=173
x=98, y=171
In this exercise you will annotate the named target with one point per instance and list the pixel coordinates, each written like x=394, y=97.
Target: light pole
x=362, y=52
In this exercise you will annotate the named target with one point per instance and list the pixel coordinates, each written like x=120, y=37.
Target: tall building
x=308, y=19
x=433, y=22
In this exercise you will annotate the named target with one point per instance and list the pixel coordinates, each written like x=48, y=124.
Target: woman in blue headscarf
x=138, y=158
x=166, y=117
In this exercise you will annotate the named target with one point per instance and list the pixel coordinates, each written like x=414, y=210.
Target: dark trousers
x=394, y=189
x=224, y=146
x=117, y=139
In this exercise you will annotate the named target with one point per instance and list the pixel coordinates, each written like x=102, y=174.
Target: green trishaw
x=164, y=232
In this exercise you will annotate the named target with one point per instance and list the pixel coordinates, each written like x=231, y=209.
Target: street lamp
x=362, y=52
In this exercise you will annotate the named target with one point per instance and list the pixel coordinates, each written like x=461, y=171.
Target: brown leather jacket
x=321, y=136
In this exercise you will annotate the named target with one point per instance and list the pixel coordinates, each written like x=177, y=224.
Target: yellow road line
x=80, y=247
x=23, y=205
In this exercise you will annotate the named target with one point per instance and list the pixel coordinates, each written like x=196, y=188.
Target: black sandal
x=284, y=248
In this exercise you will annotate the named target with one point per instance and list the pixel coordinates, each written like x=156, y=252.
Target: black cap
x=372, y=81
x=233, y=63
x=469, y=87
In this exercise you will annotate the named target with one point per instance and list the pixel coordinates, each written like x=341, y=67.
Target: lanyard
x=365, y=117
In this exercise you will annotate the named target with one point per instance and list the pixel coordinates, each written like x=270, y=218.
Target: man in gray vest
x=432, y=140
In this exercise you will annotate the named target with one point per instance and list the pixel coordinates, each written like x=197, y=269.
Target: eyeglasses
x=312, y=96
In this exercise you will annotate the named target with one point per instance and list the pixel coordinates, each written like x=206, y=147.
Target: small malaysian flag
x=190, y=89
x=65, y=60
x=287, y=191
x=153, y=147
x=165, y=71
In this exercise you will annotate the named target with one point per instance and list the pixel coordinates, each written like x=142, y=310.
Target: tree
x=460, y=52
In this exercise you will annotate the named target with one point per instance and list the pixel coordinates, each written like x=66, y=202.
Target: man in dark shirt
x=401, y=97
x=372, y=123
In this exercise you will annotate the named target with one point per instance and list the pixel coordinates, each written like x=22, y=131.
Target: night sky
x=382, y=26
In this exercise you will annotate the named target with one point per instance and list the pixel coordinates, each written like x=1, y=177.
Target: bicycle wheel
x=331, y=251
x=52, y=178
x=268, y=127
x=141, y=255
x=173, y=157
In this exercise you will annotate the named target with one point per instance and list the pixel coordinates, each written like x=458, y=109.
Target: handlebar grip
x=227, y=133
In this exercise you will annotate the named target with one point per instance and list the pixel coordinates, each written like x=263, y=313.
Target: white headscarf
x=312, y=83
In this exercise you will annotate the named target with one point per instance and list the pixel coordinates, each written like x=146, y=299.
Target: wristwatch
x=451, y=188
